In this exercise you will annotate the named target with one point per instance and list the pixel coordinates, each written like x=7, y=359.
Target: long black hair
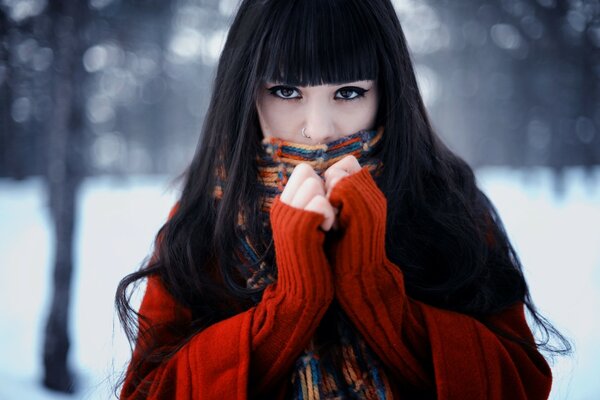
x=442, y=230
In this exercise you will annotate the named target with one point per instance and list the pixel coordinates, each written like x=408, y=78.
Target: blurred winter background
x=101, y=103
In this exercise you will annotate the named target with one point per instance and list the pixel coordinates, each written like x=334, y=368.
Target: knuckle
x=352, y=161
x=303, y=169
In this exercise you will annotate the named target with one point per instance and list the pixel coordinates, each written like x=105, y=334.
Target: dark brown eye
x=283, y=92
x=286, y=92
x=351, y=93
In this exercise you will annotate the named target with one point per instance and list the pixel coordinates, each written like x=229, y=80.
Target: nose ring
x=304, y=134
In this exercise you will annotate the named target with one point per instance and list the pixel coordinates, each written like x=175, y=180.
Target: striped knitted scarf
x=355, y=372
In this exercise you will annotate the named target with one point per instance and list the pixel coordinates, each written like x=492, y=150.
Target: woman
x=326, y=243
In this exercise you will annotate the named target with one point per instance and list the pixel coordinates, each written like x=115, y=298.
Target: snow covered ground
x=557, y=238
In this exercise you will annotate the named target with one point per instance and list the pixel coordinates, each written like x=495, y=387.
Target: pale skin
x=306, y=190
x=327, y=112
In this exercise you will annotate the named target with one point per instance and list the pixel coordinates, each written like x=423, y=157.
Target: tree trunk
x=8, y=164
x=64, y=172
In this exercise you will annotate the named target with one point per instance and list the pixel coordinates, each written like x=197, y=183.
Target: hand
x=362, y=211
x=341, y=169
x=306, y=190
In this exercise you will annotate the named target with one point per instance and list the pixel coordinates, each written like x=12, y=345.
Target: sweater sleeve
x=451, y=354
x=248, y=354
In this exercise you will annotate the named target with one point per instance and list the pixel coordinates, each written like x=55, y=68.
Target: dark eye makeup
x=348, y=93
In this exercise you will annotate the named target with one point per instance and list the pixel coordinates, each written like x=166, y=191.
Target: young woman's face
x=328, y=112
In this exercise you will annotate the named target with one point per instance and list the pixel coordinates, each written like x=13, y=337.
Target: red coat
x=251, y=354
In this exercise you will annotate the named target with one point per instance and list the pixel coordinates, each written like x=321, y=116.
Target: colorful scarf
x=359, y=373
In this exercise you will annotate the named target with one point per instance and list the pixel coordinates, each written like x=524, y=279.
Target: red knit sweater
x=250, y=355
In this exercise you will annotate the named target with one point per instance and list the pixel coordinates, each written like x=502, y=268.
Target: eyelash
x=359, y=92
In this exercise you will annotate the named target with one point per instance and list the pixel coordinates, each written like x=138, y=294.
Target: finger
x=300, y=173
x=320, y=205
x=349, y=164
x=310, y=188
x=333, y=180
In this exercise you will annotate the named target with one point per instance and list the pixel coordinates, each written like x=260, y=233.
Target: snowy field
x=557, y=238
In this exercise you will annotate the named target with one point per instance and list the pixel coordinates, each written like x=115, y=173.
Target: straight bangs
x=317, y=42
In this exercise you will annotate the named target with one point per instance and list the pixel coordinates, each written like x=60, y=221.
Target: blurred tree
x=5, y=94
x=64, y=172
x=516, y=82
x=508, y=82
x=558, y=89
